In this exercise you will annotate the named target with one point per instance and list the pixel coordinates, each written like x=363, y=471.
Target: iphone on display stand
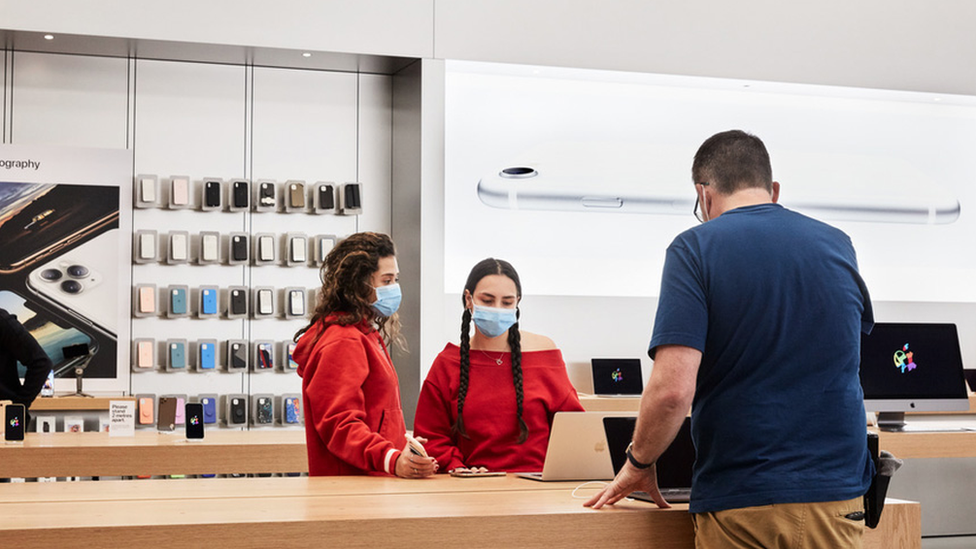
x=84, y=282
x=325, y=199
x=238, y=253
x=166, y=418
x=14, y=422
x=193, y=412
x=144, y=354
x=208, y=302
x=144, y=300
x=295, y=196
x=263, y=356
x=350, y=199
x=146, y=247
x=209, y=404
x=41, y=220
x=237, y=352
x=237, y=301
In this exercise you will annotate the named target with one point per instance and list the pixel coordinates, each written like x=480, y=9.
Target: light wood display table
x=929, y=445
x=355, y=512
x=609, y=404
x=71, y=403
x=152, y=453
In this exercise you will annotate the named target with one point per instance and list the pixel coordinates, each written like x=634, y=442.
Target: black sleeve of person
x=19, y=343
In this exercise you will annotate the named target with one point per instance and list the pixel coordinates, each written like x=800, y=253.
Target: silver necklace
x=498, y=360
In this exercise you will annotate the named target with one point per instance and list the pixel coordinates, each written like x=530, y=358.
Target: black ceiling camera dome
x=518, y=172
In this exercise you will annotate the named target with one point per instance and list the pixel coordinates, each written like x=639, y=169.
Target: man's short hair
x=731, y=161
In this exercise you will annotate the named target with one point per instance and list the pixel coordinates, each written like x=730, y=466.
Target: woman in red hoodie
x=489, y=402
x=353, y=418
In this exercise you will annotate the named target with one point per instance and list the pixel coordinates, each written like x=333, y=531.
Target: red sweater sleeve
x=434, y=418
x=339, y=407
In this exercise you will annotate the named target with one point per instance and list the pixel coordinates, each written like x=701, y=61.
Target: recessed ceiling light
x=306, y=54
x=49, y=37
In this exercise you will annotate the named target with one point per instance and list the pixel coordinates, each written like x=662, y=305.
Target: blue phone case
x=208, y=302
x=177, y=355
x=177, y=301
x=291, y=410
x=209, y=410
x=208, y=360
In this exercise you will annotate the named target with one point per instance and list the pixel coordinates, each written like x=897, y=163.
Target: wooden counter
x=929, y=445
x=152, y=453
x=609, y=404
x=356, y=512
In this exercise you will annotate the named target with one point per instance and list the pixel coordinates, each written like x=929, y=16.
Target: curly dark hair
x=485, y=267
x=347, y=291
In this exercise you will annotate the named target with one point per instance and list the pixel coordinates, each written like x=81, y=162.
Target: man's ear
x=775, y=192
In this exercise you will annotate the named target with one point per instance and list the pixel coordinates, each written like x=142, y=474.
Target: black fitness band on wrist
x=633, y=461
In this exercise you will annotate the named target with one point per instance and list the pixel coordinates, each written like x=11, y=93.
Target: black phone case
x=211, y=195
x=240, y=194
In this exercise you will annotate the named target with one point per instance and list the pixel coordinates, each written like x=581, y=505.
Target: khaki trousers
x=782, y=526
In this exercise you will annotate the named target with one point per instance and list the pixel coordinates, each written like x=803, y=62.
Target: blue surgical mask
x=387, y=300
x=492, y=321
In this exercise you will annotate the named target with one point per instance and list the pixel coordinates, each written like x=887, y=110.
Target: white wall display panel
x=69, y=100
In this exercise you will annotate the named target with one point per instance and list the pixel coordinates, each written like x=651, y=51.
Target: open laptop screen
x=617, y=376
x=674, y=467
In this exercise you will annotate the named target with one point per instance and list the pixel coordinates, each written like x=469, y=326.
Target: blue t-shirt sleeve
x=682, y=311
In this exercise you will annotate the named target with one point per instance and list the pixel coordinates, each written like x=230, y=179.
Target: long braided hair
x=347, y=290
x=485, y=267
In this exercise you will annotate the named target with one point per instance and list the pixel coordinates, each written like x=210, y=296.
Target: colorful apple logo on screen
x=617, y=375
x=15, y=422
x=194, y=420
x=904, y=359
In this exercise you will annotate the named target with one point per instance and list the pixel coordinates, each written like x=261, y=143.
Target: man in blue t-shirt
x=757, y=331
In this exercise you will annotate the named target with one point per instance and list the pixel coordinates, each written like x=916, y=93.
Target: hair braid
x=515, y=343
x=458, y=427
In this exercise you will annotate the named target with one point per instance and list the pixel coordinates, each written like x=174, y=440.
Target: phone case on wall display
x=266, y=196
x=208, y=302
x=209, y=403
x=209, y=250
x=290, y=409
x=144, y=354
x=264, y=302
x=263, y=406
x=144, y=300
x=212, y=192
x=238, y=253
x=323, y=245
x=176, y=354
x=179, y=299
x=240, y=196
x=325, y=200
x=296, y=249
x=146, y=247
x=263, y=356
x=179, y=192
x=294, y=302
x=237, y=301
x=236, y=409
x=207, y=354
x=264, y=249
x=145, y=192
x=145, y=405
x=179, y=247
x=295, y=196
x=287, y=355
x=180, y=418
x=350, y=199
x=237, y=353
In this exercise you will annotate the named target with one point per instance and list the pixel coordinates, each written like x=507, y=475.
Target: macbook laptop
x=674, y=467
x=577, y=448
x=617, y=377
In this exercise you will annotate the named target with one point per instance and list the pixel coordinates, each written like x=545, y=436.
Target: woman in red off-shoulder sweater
x=490, y=401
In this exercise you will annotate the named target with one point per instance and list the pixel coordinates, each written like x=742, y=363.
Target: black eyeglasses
x=698, y=214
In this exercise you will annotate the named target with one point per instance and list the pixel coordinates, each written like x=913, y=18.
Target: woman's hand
x=410, y=465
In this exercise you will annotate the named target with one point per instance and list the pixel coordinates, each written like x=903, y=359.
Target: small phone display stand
x=237, y=355
x=265, y=196
x=146, y=244
x=179, y=192
x=146, y=191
